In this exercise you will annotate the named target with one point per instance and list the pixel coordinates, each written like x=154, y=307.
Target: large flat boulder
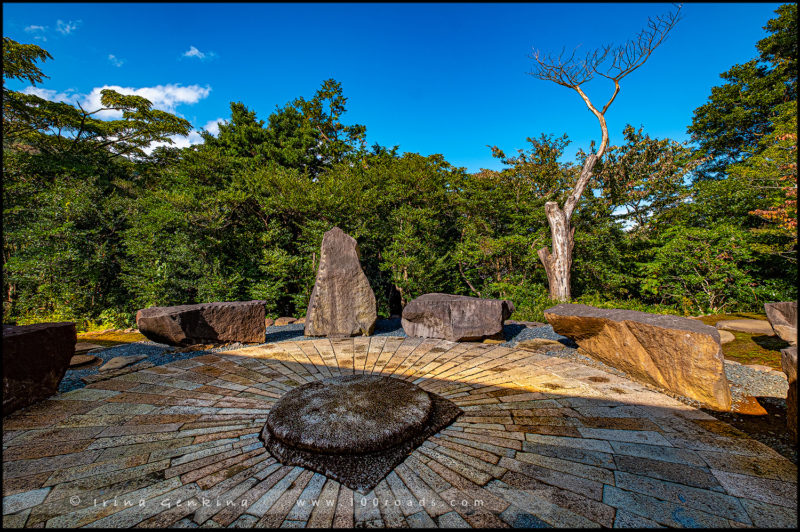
x=35, y=359
x=455, y=318
x=182, y=325
x=789, y=365
x=678, y=354
x=342, y=302
x=783, y=319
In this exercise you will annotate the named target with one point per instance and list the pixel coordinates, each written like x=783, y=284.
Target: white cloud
x=37, y=32
x=212, y=126
x=65, y=28
x=194, y=52
x=117, y=62
x=54, y=96
x=165, y=97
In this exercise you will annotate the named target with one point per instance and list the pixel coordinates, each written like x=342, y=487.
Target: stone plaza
x=542, y=441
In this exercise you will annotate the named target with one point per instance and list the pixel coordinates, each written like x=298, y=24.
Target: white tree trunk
x=558, y=264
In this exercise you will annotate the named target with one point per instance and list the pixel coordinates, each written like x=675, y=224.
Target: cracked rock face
x=356, y=428
x=342, y=302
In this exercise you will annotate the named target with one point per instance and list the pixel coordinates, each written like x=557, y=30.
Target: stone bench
x=679, y=354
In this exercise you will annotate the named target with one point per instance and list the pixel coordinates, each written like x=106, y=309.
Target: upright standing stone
x=342, y=302
x=679, y=354
x=35, y=359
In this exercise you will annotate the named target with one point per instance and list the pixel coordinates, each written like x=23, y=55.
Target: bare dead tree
x=572, y=72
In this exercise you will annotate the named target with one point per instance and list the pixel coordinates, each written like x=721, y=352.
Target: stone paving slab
x=542, y=442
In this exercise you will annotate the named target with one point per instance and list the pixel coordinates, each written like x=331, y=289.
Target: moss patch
x=755, y=349
x=712, y=319
x=749, y=348
x=111, y=338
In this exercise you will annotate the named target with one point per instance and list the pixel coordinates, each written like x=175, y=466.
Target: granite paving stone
x=543, y=441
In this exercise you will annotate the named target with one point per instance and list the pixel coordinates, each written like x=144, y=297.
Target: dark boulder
x=342, y=302
x=35, y=359
x=182, y=325
x=455, y=318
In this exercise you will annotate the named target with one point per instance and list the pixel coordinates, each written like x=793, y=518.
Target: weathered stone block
x=455, y=318
x=228, y=321
x=342, y=302
x=679, y=354
x=35, y=359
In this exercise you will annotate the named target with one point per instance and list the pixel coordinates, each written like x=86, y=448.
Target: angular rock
x=747, y=326
x=783, y=319
x=789, y=365
x=280, y=322
x=35, y=359
x=678, y=354
x=121, y=362
x=725, y=337
x=182, y=325
x=81, y=348
x=83, y=361
x=748, y=406
x=455, y=318
x=342, y=302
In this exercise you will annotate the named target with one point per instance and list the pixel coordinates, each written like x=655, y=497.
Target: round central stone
x=350, y=414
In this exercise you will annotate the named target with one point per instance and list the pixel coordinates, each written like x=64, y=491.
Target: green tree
x=702, y=270
x=68, y=182
x=645, y=176
x=741, y=113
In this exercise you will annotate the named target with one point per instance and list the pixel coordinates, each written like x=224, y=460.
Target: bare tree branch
x=572, y=73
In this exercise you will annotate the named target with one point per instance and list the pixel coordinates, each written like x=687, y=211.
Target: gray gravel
x=757, y=383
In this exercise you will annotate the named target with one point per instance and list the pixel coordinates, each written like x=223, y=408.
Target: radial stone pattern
x=542, y=441
x=354, y=428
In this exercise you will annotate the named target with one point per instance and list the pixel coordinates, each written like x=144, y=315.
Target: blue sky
x=431, y=78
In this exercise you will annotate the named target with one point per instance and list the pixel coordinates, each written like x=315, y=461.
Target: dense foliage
x=96, y=224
